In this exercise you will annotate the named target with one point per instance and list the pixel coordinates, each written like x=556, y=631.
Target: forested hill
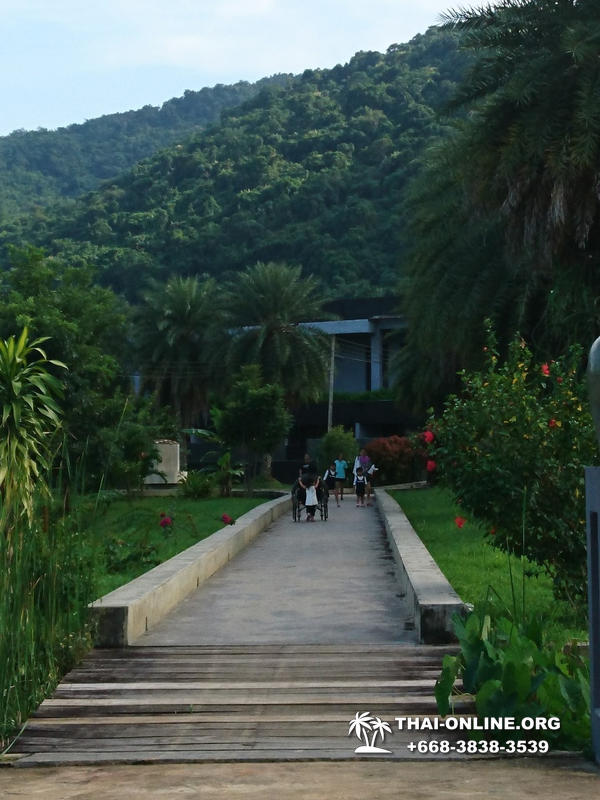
x=312, y=174
x=37, y=166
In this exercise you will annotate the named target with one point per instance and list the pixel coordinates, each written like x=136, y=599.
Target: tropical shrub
x=121, y=448
x=30, y=418
x=396, y=457
x=226, y=473
x=252, y=419
x=336, y=441
x=196, y=485
x=513, y=672
x=512, y=448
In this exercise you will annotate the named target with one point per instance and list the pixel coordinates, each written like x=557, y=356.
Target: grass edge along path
x=133, y=535
x=472, y=565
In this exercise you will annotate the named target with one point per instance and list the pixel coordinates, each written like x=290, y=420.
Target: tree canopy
x=37, y=167
x=264, y=307
x=505, y=210
x=311, y=174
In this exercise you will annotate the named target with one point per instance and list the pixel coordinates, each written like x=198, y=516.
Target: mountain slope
x=313, y=173
x=37, y=166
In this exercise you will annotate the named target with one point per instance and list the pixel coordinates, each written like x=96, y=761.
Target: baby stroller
x=299, y=501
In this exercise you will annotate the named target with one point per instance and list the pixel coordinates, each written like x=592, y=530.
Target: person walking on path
x=369, y=469
x=311, y=498
x=370, y=480
x=340, y=465
x=308, y=467
x=329, y=478
x=361, y=460
x=307, y=474
x=360, y=485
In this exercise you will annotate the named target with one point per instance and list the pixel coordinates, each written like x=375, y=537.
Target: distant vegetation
x=312, y=173
x=39, y=166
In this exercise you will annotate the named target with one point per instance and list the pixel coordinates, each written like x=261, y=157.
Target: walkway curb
x=126, y=613
x=426, y=587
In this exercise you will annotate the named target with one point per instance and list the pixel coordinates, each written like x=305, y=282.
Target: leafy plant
x=336, y=441
x=218, y=463
x=512, y=448
x=512, y=671
x=123, y=552
x=30, y=417
x=196, y=485
x=226, y=473
x=253, y=418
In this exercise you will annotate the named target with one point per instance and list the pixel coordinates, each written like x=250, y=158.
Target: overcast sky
x=65, y=61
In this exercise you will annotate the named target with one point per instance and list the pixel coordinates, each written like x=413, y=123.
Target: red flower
x=227, y=519
x=429, y=436
x=460, y=521
x=545, y=369
x=559, y=379
x=165, y=522
x=431, y=466
x=493, y=532
x=552, y=423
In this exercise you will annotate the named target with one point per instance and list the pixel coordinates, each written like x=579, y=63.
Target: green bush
x=336, y=441
x=512, y=448
x=513, y=672
x=121, y=450
x=196, y=486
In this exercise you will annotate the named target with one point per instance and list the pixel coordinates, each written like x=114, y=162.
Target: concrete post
x=592, y=500
x=376, y=359
x=592, y=491
x=331, y=382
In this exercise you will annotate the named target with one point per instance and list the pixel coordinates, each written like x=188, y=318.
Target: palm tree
x=30, y=418
x=532, y=142
x=456, y=274
x=505, y=216
x=265, y=306
x=178, y=341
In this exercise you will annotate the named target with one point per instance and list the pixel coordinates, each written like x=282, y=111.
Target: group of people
x=335, y=478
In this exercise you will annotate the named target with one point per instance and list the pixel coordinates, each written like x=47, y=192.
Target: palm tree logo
x=363, y=725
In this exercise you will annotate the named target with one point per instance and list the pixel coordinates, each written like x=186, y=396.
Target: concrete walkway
x=299, y=583
x=304, y=583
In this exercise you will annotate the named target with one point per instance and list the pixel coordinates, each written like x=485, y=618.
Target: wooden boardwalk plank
x=234, y=703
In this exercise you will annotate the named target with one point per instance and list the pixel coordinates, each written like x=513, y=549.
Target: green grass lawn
x=472, y=565
x=126, y=538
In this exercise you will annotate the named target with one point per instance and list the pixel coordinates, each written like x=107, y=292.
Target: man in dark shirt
x=308, y=468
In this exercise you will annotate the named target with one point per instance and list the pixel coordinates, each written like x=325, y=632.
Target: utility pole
x=331, y=376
